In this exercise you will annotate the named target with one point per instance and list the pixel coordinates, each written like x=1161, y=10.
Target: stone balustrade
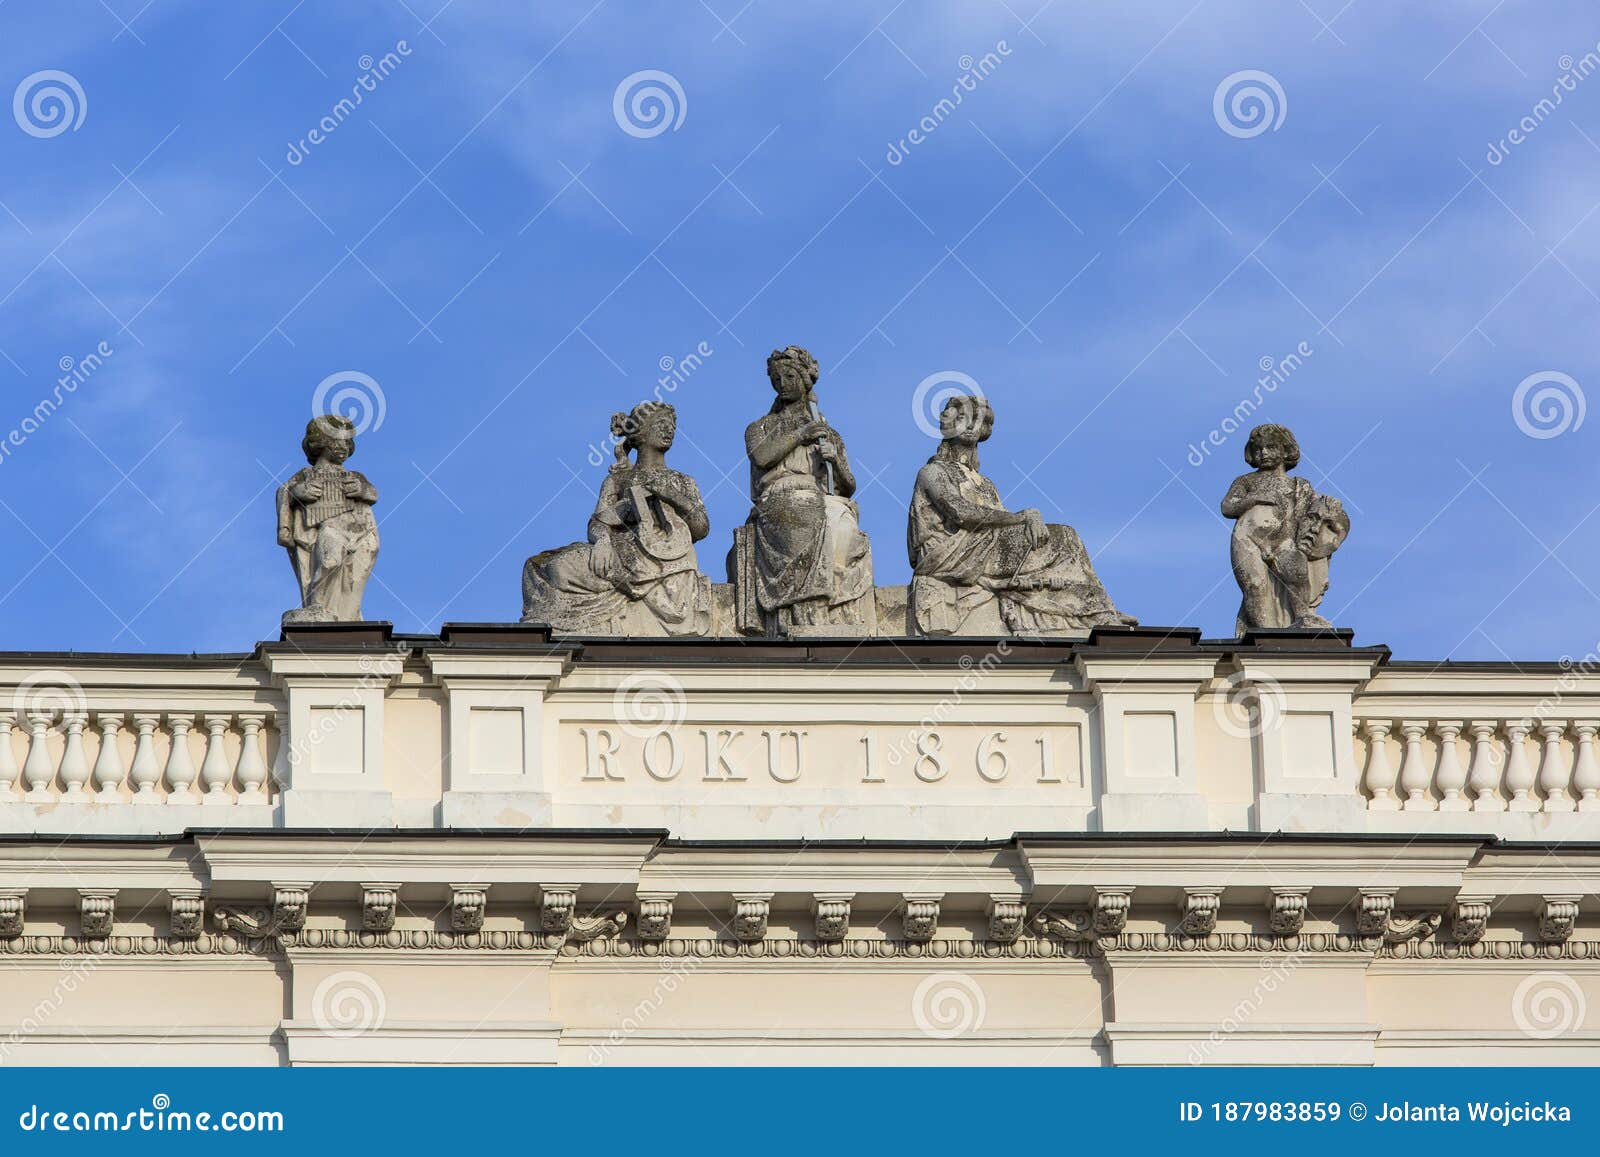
x=136, y=744
x=505, y=726
x=142, y=758
x=1457, y=766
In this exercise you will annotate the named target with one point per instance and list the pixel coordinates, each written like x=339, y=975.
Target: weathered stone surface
x=325, y=522
x=1283, y=536
x=982, y=569
x=638, y=573
x=801, y=564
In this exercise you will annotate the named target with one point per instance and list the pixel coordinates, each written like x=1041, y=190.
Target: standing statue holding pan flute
x=638, y=573
x=1284, y=534
x=325, y=522
x=801, y=564
x=982, y=569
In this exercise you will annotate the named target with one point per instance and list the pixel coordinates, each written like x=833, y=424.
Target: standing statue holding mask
x=1284, y=535
x=982, y=569
x=325, y=522
x=800, y=565
x=637, y=574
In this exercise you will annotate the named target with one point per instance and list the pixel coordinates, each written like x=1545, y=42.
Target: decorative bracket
x=557, y=908
x=655, y=915
x=1286, y=911
x=96, y=912
x=1006, y=914
x=289, y=904
x=586, y=928
x=920, y=918
x=467, y=904
x=13, y=909
x=186, y=910
x=286, y=916
x=1198, y=911
x=1076, y=927
x=1111, y=907
x=1106, y=920
x=1558, y=916
x=1470, y=918
x=379, y=902
x=750, y=912
x=1375, y=918
x=831, y=913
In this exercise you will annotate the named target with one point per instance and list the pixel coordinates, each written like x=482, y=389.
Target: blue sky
x=1082, y=236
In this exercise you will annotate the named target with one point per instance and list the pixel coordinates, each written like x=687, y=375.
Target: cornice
x=1265, y=863
x=591, y=858
x=863, y=870
x=443, y=946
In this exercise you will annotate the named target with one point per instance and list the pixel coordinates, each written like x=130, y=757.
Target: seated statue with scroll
x=980, y=569
x=638, y=574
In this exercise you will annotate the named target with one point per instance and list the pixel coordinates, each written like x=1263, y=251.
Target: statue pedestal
x=335, y=678
x=495, y=679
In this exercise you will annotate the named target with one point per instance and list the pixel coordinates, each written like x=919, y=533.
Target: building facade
x=495, y=845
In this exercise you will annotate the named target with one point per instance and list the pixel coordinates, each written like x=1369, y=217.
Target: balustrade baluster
x=39, y=769
x=145, y=772
x=1554, y=772
x=1449, y=777
x=1415, y=774
x=252, y=771
x=1519, y=772
x=108, y=769
x=1484, y=775
x=215, y=772
x=74, y=764
x=180, y=765
x=1379, y=778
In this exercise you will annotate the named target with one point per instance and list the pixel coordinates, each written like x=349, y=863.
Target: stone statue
x=325, y=522
x=1284, y=534
x=981, y=569
x=638, y=573
x=801, y=564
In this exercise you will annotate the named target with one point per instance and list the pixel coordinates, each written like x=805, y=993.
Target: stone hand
x=1038, y=535
x=351, y=485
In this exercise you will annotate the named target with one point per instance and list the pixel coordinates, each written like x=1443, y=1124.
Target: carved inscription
x=826, y=755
